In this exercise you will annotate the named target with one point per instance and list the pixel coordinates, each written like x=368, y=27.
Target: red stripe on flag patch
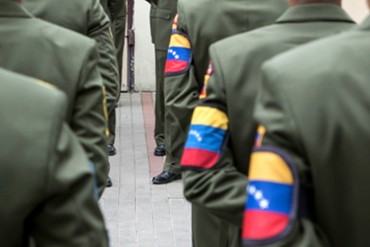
x=259, y=224
x=175, y=66
x=199, y=158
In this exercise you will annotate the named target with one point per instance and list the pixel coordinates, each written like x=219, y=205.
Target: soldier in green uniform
x=216, y=155
x=95, y=25
x=312, y=160
x=195, y=28
x=47, y=186
x=164, y=23
x=119, y=27
x=66, y=59
x=116, y=11
x=199, y=24
x=164, y=12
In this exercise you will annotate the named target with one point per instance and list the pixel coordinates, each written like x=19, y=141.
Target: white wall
x=356, y=8
x=144, y=49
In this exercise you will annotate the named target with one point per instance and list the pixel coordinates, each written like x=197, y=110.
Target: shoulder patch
x=205, y=138
x=209, y=72
x=178, y=55
x=272, y=197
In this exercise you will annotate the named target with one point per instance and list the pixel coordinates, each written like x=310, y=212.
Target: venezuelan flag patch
x=203, y=93
x=178, y=54
x=205, y=138
x=271, y=196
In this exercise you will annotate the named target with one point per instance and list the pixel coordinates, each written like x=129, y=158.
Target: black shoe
x=111, y=150
x=109, y=183
x=165, y=177
x=160, y=150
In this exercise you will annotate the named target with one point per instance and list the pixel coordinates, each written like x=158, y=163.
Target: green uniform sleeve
x=99, y=30
x=214, y=184
x=69, y=215
x=89, y=116
x=277, y=212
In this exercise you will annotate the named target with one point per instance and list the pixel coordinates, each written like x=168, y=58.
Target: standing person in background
x=68, y=60
x=199, y=24
x=95, y=25
x=163, y=12
x=221, y=136
x=160, y=59
x=46, y=182
x=116, y=11
x=313, y=158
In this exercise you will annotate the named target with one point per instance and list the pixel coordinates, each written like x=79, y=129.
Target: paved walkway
x=138, y=213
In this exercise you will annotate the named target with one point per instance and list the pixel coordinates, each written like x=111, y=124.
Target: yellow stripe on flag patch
x=178, y=40
x=271, y=167
x=204, y=115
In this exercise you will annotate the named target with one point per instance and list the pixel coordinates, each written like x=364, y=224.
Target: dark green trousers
x=116, y=10
x=159, y=107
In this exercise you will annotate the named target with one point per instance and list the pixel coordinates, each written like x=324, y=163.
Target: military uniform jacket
x=198, y=25
x=67, y=60
x=164, y=11
x=222, y=133
x=316, y=121
x=46, y=184
x=88, y=18
x=112, y=7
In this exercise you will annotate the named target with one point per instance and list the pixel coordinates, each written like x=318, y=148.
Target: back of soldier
x=37, y=152
x=42, y=50
x=207, y=21
x=218, y=184
x=321, y=124
x=87, y=17
x=298, y=25
x=199, y=24
x=67, y=60
x=64, y=16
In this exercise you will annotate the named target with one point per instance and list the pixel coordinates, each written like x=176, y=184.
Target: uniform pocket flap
x=163, y=13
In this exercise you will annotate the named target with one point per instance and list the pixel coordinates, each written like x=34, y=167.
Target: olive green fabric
x=112, y=7
x=95, y=25
x=205, y=22
x=119, y=36
x=160, y=60
x=152, y=16
x=204, y=26
x=47, y=186
x=164, y=12
x=66, y=59
x=87, y=18
x=116, y=11
x=316, y=111
x=119, y=26
x=232, y=87
x=159, y=107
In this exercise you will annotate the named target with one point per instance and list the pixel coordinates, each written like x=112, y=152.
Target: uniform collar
x=13, y=9
x=314, y=12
